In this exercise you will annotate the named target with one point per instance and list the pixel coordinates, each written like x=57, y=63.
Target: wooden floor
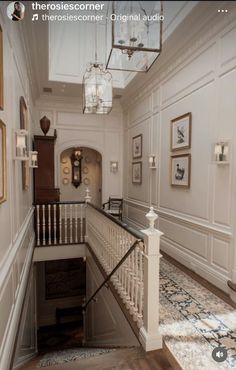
x=121, y=359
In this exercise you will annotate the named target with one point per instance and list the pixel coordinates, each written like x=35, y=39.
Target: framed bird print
x=181, y=132
x=180, y=170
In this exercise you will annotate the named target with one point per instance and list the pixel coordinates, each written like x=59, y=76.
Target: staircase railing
x=131, y=261
x=109, y=276
x=60, y=223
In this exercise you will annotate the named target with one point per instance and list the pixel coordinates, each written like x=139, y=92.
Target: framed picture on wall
x=1, y=69
x=137, y=172
x=137, y=146
x=2, y=162
x=181, y=132
x=180, y=170
x=24, y=125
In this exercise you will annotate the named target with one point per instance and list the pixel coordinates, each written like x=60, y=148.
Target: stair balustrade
x=60, y=223
x=129, y=258
x=131, y=261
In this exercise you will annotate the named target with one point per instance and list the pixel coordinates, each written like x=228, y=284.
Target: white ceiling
x=60, y=51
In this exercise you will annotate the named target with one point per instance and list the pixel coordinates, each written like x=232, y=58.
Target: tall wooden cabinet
x=44, y=175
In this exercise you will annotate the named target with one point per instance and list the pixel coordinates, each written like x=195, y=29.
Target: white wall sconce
x=20, y=145
x=152, y=160
x=221, y=152
x=113, y=166
x=33, y=159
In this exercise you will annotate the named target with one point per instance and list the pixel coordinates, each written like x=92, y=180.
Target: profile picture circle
x=16, y=11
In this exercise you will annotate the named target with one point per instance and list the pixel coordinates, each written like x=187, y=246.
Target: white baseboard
x=25, y=360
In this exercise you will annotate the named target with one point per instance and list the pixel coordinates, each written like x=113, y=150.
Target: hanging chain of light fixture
x=135, y=35
x=97, y=87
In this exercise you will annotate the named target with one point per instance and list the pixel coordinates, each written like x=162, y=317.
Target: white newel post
x=149, y=334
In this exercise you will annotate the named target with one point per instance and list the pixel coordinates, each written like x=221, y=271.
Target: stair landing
x=120, y=359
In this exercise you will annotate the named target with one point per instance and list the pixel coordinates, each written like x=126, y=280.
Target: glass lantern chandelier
x=135, y=35
x=97, y=87
x=97, y=90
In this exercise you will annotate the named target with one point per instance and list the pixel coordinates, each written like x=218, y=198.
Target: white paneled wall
x=199, y=222
x=16, y=214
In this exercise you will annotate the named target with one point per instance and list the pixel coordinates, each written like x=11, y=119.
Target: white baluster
x=60, y=224
x=55, y=222
x=49, y=224
x=76, y=223
x=38, y=224
x=136, y=282
x=140, y=303
x=71, y=223
x=44, y=240
x=65, y=223
x=81, y=223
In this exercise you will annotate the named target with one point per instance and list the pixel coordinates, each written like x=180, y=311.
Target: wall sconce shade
x=113, y=166
x=221, y=152
x=152, y=161
x=21, y=145
x=33, y=159
x=136, y=42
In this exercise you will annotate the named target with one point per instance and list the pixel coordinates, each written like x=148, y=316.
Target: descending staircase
x=119, y=359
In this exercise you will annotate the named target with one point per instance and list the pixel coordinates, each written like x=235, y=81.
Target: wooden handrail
x=62, y=202
x=137, y=234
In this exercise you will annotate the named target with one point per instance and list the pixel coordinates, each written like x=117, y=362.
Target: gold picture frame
x=24, y=125
x=181, y=129
x=180, y=170
x=1, y=70
x=3, y=168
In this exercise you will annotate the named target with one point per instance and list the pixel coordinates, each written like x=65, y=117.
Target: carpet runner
x=193, y=321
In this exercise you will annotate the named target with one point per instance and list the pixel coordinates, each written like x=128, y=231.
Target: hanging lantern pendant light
x=135, y=43
x=97, y=87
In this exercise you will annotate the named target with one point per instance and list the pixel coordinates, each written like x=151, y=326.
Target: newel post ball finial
x=87, y=196
x=45, y=124
x=151, y=216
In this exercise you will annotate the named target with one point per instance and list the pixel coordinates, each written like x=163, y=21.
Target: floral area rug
x=60, y=357
x=194, y=321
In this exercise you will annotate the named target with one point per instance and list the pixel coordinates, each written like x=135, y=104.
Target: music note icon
x=35, y=17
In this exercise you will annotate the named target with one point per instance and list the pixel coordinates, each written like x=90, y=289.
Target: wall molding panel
x=12, y=291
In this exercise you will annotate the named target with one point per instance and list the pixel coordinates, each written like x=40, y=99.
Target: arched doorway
x=91, y=176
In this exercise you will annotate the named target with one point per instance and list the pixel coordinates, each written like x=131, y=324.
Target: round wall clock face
x=66, y=170
x=85, y=170
x=64, y=160
x=65, y=181
x=86, y=181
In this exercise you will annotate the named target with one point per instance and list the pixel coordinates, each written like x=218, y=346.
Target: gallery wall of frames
x=184, y=114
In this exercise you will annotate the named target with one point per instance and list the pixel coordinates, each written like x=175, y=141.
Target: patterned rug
x=193, y=321
x=60, y=357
